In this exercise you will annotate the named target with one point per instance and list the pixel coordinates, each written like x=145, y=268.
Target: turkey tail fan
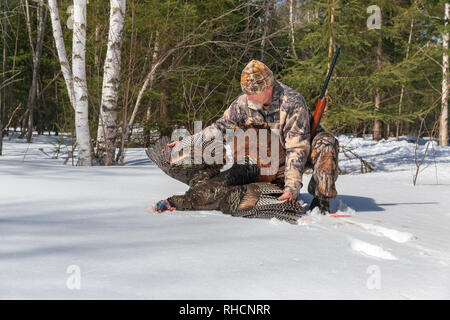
x=188, y=173
x=159, y=153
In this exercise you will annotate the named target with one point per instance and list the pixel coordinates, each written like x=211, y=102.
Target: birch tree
x=107, y=127
x=61, y=49
x=443, y=131
x=79, y=84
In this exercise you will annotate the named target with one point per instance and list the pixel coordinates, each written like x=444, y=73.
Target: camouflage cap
x=256, y=77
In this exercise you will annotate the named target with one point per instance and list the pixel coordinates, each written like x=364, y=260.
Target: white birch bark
x=443, y=130
x=80, y=85
x=107, y=127
x=61, y=49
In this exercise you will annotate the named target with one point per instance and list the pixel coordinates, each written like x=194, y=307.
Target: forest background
x=138, y=67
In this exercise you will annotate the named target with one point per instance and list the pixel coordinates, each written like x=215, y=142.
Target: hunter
x=267, y=100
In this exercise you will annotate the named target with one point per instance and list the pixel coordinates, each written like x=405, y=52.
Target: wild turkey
x=240, y=190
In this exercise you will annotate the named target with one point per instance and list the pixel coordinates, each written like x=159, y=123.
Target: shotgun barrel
x=322, y=102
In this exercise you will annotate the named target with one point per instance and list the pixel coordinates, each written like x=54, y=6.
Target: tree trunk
x=150, y=85
x=28, y=22
x=402, y=92
x=3, y=99
x=32, y=95
x=107, y=126
x=80, y=85
x=330, y=51
x=121, y=153
x=163, y=106
x=152, y=76
x=61, y=49
x=378, y=124
x=443, y=130
x=265, y=27
x=291, y=27
x=388, y=131
x=3, y=106
x=331, y=40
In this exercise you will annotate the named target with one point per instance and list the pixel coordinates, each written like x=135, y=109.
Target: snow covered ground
x=72, y=233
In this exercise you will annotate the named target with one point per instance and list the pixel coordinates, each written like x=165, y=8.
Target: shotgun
x=322, y=102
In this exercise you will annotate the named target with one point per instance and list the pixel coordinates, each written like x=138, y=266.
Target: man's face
x=262, y=98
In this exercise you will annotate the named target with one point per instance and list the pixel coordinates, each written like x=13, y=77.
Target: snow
x=386, y=238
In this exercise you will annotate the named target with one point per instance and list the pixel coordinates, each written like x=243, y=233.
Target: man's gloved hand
x=162, y=206
x=287, y=195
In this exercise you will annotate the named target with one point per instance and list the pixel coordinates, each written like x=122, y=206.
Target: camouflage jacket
x=289, y=114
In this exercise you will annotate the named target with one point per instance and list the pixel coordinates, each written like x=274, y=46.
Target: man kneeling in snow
x=268, y=101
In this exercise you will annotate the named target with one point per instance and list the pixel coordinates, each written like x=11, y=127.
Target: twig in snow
x=418, y=162
x=365, y=166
